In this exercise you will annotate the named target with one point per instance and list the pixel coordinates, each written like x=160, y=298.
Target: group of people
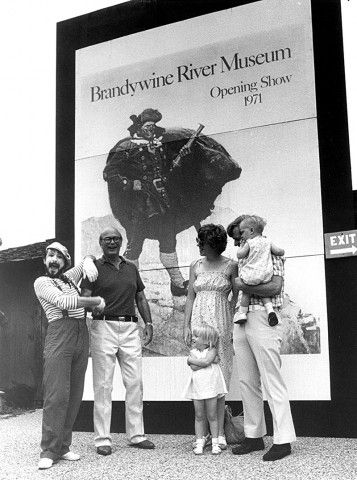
x=112, y=289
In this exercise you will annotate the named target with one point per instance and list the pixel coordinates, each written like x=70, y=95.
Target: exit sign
x=341, y=244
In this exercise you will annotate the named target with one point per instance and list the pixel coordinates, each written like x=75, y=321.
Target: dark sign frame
x=337, y=417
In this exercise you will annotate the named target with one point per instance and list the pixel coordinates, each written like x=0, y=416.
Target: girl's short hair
x=214, y=235
x=208, y=334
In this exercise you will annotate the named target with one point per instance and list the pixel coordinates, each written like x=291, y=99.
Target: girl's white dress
x=206, y=382
x=258, y=266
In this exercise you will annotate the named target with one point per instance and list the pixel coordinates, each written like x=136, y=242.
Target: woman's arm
x=235, y=291
x=203, y=362
x=191, y=295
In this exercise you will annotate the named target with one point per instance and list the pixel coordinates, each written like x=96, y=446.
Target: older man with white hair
x=114, y=335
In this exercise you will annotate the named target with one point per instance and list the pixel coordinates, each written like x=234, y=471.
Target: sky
x=27, y=85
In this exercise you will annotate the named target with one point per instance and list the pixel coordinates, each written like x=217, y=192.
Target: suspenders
x=72, y=284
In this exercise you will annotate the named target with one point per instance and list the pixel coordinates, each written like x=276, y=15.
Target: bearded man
x=66, y=349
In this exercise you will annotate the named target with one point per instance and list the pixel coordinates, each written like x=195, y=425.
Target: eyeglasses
x=109, y=240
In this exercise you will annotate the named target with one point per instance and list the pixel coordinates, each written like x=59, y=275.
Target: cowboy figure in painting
x=163, y=181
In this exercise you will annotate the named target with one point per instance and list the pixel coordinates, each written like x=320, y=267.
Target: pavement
x=172, y=459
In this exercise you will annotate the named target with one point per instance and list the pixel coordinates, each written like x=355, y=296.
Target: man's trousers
x=109, y=341
x=257, y=351
x=65, y=363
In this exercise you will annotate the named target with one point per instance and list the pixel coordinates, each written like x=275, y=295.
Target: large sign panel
x=240, y=84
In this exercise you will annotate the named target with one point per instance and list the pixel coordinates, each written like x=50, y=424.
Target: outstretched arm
x=191, y=295
x=232, y=277
x=45, y=289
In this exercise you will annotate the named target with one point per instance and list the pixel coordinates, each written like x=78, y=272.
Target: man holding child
x=257, y=351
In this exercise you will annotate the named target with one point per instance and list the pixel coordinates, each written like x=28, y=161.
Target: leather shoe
x=248, y=445
x=273, y=319
x=277, y=452
x=145, y=444
x=104, y=450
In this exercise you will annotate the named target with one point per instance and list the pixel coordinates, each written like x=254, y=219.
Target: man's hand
x=89, y=269
x=148, y=333
x=99, y=308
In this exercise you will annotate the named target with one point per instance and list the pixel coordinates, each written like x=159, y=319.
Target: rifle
x=177, y=161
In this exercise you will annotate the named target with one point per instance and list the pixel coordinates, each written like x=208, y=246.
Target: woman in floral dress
x=211, y=282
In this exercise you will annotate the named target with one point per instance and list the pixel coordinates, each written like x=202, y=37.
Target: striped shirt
x=55, y=295
x=278, y=270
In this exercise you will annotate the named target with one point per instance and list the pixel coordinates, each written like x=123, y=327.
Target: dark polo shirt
x=118, y=287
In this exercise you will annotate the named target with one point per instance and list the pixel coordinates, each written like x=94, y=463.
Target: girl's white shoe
x=216, y=450
x=206, y=441
x=222, y=442
x=200, y=445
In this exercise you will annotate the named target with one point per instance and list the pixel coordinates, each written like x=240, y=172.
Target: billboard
x=244, y=78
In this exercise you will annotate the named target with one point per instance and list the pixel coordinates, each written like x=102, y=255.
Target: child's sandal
x=216, y=450
x=222, y=442
x=200, y=445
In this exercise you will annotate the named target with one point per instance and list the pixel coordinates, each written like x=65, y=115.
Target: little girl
x=257, y=265
x=205, y=385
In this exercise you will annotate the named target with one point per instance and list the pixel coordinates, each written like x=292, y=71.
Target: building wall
x=22, y=332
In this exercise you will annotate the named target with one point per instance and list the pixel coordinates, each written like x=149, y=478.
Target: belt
x=253, y=308
x=118, y=318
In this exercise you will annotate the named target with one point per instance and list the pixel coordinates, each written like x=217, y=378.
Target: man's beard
x=56, y=274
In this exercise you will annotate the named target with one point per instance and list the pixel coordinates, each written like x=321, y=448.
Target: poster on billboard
x=238, y=86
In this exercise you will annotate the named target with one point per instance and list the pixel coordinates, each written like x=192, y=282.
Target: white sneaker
x=200, y=444
x=45, y=463
x=71, y=456
x=222, y=442
x=207, y=441
x=216, y=450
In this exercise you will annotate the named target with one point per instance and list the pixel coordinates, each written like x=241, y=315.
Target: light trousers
x=109, y=341
x=257, y=352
